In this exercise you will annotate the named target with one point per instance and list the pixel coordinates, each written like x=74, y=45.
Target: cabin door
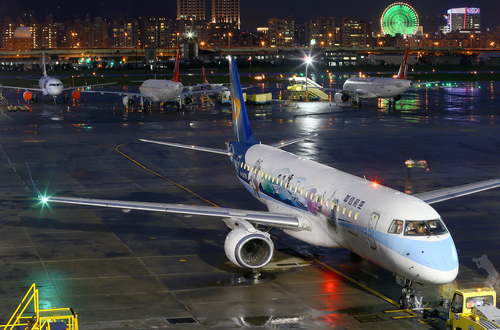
x=372, y=226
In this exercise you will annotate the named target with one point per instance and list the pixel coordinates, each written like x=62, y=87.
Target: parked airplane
x=50, y=86
x=158, y=90
x=323, y=206
x=367, y=88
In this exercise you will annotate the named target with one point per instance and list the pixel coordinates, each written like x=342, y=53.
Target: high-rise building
x=355, y=32
x=226, y=11
x=190, y=9
x=466, y=18
x=281, y=32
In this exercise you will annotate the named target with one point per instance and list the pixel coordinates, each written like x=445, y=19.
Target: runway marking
x=161, y=176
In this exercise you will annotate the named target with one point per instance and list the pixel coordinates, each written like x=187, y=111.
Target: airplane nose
x=443, y=264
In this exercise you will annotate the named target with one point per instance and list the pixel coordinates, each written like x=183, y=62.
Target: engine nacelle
x=128, y=101
x=247, y=249
x=76, y=95
x=397, y=97
x=27, y=95
x=341, y=97
x=188, y=100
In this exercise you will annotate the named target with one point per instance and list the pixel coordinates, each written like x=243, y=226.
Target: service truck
x=474, y=309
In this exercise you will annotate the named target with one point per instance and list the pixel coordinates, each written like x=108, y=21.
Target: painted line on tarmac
x=117, y=149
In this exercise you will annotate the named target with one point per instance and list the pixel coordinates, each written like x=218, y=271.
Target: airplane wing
x=437, y=196
x=117, y=93
x=425, y=84
x=82, y=88
x=23, y=88
x=279, y=220
x=360, y=92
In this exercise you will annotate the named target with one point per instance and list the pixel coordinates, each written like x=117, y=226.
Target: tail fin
x=241, y=126
x=175, y=78
x=403, y=69
x=43, y=65
x=205, y=81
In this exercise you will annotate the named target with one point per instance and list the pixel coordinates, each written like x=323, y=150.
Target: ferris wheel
x=399, y=18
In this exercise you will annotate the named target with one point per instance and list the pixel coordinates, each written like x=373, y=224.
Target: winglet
x=403, y=69
x=33, y=183
x=176, y=69
x=241, y=126
x=205, y=81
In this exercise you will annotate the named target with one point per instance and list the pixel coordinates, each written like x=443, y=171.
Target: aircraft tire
x=403, y=302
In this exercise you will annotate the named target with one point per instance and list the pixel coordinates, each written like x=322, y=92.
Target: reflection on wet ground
x=145, y=270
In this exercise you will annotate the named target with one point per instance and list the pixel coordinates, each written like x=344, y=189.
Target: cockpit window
x=396, y=227
x=425, y=228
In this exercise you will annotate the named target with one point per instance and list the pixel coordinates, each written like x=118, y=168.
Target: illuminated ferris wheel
x=399, y=18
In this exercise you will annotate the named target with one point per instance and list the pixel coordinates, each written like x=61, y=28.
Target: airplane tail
x=175, y=78
x=43, y=65
x=205, y=81
x=403, y=69
x=241, y=126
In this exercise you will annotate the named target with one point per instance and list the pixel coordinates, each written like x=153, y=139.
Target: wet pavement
x=145, y=270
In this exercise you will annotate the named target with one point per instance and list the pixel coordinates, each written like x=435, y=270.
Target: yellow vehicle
x=474, y=310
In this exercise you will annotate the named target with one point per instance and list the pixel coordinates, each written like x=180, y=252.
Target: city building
x=227, y=11
x=356, y=33
x=21, y=40
x=191, y=9
x=466, y=18
x=281, y=32
x=321, y=31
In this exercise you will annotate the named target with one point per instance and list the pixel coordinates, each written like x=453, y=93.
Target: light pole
x=308, y=60
x=229, y=37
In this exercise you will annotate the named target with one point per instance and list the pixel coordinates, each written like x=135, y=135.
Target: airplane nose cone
x=442, y=265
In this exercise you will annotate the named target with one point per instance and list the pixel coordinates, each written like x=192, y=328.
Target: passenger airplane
x=322, y=206
x=157, y=90
x=50, y=86
x=367, y=88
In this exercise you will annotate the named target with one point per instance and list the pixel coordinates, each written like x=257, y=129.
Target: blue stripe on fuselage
x=426, y=253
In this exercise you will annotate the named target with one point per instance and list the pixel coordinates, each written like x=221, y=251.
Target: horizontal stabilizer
x=283, y=143
x=459, y=191
x=191, y=147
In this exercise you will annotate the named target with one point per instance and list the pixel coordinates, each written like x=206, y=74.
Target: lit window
x=286, y=184
x=356, y=216
x=307, y=193
x=317, y=197
x=251, y=169
x=322, y=198
x=301, y=191
x=242, y=164
x=327, y=202
x=265, y=176
x=296, y=187
x=350, y=213
x=343, y=210
x=333, y=205
x=262, y=174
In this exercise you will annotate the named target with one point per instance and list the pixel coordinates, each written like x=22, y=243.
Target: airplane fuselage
x=347, y=211
x=161, y=90
x=50, y=86
x=377, y=87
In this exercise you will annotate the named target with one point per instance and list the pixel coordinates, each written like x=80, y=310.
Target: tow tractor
x=472, y=310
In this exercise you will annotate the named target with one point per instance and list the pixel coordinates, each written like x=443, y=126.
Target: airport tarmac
x=144, y=270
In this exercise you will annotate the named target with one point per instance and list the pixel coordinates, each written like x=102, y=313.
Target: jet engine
x=188, y=100
x=76, y=95
x=27, y=95
x=249, y=249
x=128, y=101
x=397, y=97
x=341, y=97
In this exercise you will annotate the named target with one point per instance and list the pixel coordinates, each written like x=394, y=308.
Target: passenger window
x=273, y=179
x=396, y=227
x=307, y=193
x=356, y=216
x=322, y=199
x=296, y=187
x=327, y=202
x=301, y=191
x=350, y=213
x=343, y=210
x=242, y=164
x=262, y=174
x=286, y=185
x=251, y=169
x=338, y=207
x=333, y=205
x=312, y=196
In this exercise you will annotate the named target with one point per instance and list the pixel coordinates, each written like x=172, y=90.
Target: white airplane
x=369, y=87
x=158, y=90
x=322, y=206
x=50, y=86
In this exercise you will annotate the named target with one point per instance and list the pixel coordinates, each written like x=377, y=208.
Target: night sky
x=253, y=12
